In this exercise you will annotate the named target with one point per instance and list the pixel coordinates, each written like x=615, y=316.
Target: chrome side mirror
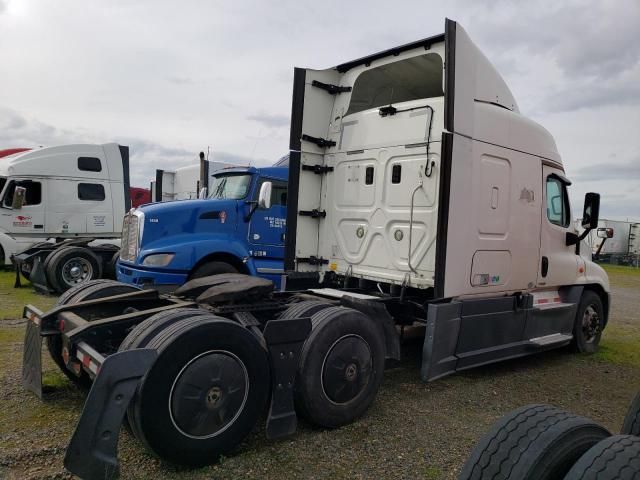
x=264, y=198
x=19, y=194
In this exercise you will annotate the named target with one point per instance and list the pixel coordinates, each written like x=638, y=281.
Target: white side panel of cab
x=493, y=220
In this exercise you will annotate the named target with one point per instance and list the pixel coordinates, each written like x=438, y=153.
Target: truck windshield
x=230, y=187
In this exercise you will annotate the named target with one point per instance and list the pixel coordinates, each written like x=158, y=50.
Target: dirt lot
x=413, y=430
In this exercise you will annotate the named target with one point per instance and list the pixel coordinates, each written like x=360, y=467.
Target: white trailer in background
x=185, y=183
x=616, y=241
x=61, y=211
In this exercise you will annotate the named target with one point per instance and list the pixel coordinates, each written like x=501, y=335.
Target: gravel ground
x=413, y=430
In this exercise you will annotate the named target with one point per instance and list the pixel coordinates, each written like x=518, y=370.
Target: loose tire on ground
x=341, y=367
x=88, y=291
x=212, y=268
x=70, y=266
x=614, y=458
x=535, y=442
x=205, y=392
x=304, y=309
x=631, y=425
x=589, y=323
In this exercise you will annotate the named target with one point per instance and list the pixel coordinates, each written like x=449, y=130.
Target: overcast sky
x=171, y=78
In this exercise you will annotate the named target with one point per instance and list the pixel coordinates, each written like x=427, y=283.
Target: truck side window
x=557, y=202
x=89, y=164
x=91, y=191
x=33, y=195
x=278, y=193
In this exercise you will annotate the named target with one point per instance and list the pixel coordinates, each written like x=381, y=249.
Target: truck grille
x=130, y=237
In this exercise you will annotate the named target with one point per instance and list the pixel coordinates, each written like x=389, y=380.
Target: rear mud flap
x=32, y=359
x=38, y=277
x=285, y=339
x=439, y=350
x=92, y=453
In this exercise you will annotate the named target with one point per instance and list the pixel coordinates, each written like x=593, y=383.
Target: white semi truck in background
x=418, y=196
x=616, y=241
x=185, y=183
x=61, y=211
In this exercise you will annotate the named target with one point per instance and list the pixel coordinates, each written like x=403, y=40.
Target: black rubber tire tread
x=328, y=325
x=53, y=262
x=212, y=268
x=142, y=333
x=109, y=270
x=187, y=338
x=534, y=442
x=85, y=291
x=304, y=309
x=64, y=298
x=614, y=458
x=631, y=425
x=579, y=344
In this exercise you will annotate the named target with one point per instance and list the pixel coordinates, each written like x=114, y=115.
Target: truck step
x=553, y=339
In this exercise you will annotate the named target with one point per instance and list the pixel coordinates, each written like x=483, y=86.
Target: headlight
x=158, y=259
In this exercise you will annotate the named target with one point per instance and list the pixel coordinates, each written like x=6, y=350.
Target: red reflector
x=65, y=355
x=86, y=360
x=61, y=326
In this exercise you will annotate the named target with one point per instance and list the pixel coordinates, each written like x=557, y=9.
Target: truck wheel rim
x=77, y=270
x=346, y=369
x=590, y=324
x=209, y=394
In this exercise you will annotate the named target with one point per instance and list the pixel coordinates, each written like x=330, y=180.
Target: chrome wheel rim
x=77, y=270
x=590, y=324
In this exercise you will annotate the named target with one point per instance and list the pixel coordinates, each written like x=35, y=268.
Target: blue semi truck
x=166, y=244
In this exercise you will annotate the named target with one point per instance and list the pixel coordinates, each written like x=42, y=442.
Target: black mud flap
x=92, y=453
x=440, y=340
x=38, y=277
x=32, y=359
x=285, y=339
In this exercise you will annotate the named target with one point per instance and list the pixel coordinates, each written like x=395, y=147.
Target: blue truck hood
x=185, y=217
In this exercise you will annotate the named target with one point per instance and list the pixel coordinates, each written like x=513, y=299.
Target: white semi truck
x=616, y=241
x=418, y=195
x=61, y=211
x=185, y=183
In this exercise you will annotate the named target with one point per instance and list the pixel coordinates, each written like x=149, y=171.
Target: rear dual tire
x=204, y=393
x=341, y=367
x=68, y=267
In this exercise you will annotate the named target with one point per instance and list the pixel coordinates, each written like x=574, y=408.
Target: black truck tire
x=304, y=309
x=88, y=291
x=534, y=442
x=183, y=413
x=71, y=266
x=111, y=266
x=142, y=333
x=341, y=367
x=212, y=268
x=589, y=323
x=631, y=425
x=614, y=458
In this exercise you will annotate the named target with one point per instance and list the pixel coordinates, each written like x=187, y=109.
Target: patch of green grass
x=14, y=299
x=620, y=345
x=623, y=276
x=11, y=335
x=433, y=473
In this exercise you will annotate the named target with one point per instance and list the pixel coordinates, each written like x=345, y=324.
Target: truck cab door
x=267, y=226
x=559, y=264
x=28, y=220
